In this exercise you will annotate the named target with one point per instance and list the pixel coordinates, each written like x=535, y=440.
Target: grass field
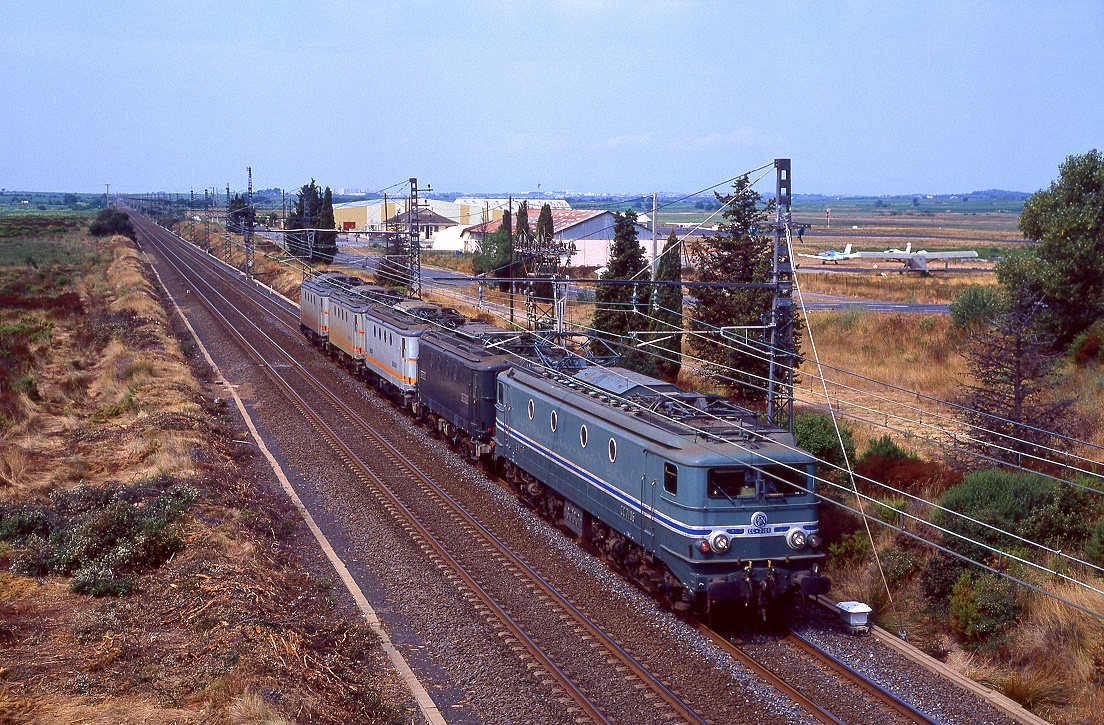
x=906, y=288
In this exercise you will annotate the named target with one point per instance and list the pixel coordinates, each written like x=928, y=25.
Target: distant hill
x=1000, y=194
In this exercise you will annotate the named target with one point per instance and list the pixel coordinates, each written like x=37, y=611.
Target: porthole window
x=553, y=420
x=582, y=436
x=531, y=408
x=613, y=450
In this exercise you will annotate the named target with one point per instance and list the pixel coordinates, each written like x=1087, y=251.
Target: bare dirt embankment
x=148, y=571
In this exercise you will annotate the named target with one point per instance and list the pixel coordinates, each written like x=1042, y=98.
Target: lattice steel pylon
x=543, y=261
x=780, y=379
x=414, y=244
x=247, y=226
x=228, y=245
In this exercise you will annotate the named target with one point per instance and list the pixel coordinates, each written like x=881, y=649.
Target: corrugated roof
x=561, y=219
x=425, y=216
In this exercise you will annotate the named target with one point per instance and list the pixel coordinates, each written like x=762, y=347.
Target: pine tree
x=623, y=308
x=737, y=253
x=1015, y=374
x=667, y=313
x=325, y=243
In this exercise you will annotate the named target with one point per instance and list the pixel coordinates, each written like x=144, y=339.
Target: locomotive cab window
x=670, y=478
x=730, y=483
x=785, y=481
x=501, y=393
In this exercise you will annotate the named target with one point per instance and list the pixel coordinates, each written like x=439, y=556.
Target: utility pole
x=510, y=242
x=780, y=379
x=247, y=232
x=207, y=220
x=228, y=246
x=414, y=250
x=655, y=243
x=191, y=215
x=107, y=194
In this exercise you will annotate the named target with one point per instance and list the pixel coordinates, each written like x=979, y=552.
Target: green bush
x=816, y=434
x=889, y=509
x=938, y=577
x=898, y=564
x=1035, y=507
x=111, y=221
x=1086, y=346
x=975, y=305
x=1094, y=548
x=102, y=537
x=853, y=548
x=982, y=607
x=885, y=447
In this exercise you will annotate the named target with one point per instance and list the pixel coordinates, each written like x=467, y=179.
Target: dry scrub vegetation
x=1038, y=651
x=147, y=574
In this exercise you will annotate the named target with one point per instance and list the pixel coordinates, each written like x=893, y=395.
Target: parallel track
x=667, y=703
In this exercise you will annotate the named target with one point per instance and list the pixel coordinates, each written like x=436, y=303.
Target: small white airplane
x=831, y=255
x=915, y=261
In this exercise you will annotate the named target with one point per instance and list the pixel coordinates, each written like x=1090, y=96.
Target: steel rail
x=671, y=701
x=772, y=678
x=862, y=681
x=365, y=473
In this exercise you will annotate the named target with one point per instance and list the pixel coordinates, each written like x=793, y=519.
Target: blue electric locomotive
x=685, y=492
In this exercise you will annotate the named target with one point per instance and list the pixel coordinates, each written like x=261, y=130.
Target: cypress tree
x=523, y=233
x=544, y=225
x=325, y=246
x=667, y=313
x=621, y=308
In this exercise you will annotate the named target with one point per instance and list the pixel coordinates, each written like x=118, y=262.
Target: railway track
x=903, y=712
x=601, y=647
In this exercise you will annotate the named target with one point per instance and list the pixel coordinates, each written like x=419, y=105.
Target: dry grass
x=251, y=709
x=15, y=466
x=1056, y=659
x=912, y=352
x=126, y=409
x=895, y=287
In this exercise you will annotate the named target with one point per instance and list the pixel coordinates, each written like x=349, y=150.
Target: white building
x=590, y=230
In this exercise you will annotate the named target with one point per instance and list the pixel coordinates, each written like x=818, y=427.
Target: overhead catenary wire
x=759, y=348
x=951, y=533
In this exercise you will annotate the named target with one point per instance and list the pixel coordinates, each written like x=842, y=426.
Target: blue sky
x=588, y=95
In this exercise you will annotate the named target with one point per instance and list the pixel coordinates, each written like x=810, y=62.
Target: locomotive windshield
x=734, y=483
x=785, y=480
x=730, y=482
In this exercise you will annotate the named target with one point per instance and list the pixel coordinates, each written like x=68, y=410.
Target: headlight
x=796, y=539
x=719, y=542
x=815, y=541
